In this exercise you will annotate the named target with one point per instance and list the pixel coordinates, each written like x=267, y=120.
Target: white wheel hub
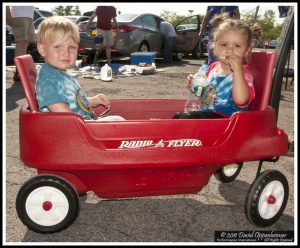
x=271, y=200
x=230, y=170
x=47, y=206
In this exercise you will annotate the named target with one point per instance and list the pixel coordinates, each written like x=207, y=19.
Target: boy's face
x=59, y=50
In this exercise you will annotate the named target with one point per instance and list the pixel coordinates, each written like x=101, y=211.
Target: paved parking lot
x=180, y=218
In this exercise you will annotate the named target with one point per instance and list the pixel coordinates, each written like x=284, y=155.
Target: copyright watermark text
x=254, y=236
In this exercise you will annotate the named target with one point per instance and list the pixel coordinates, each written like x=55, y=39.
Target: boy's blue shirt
x=54, y=86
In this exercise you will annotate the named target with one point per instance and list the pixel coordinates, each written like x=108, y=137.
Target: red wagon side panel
x=65, y=141
x=145, y=157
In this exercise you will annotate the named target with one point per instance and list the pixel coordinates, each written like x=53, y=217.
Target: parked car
x=91, y=30
x=187, y=40
x=37, y=22
x=186, y=27
x=38, y=13
x=272, y=44
x=88, y=13
x=77, y=19
x=140, y=33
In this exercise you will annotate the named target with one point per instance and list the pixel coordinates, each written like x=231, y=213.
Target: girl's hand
x=189, y=81
x=235, y=62
x=99, y=99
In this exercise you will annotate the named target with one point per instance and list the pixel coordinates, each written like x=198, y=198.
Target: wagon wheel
x=228, y=172
x=267, y=198
x=47, y=204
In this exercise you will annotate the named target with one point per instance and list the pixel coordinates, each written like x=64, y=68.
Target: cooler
x=143, y=57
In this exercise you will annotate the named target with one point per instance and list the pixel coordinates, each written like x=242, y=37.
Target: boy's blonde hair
x=54, y=24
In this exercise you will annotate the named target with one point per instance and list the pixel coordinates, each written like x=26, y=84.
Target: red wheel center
x=47, y=205
x=271, y=199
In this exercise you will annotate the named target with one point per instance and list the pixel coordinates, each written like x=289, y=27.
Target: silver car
x=137, y=33
x=140, y=33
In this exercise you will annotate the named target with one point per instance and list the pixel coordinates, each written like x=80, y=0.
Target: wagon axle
x=47, y=205
x=271, y=199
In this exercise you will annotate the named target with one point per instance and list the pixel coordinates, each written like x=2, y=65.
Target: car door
x=187, y=31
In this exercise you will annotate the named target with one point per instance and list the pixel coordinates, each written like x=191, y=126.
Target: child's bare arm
x=240, y=90
x=59, y=107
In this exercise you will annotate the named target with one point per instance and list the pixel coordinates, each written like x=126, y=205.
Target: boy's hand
x=99, y=99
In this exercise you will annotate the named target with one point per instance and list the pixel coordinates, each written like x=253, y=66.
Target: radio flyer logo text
x=133, y=144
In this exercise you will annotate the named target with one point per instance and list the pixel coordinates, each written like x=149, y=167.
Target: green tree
x=67, y=10
x=270, y=30
x=172, y=17
x=267, y=21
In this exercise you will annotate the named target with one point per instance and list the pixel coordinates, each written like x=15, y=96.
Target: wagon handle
x=107, y=109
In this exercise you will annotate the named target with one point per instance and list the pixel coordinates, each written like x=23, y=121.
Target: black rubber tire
x=177, y=56
x=144, y=47
x=221, y=176
x=254, y=196
x=64, y=189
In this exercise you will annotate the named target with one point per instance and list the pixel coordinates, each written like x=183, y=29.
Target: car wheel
x=178, y=56
x=47, y=204
x=228, y=172
x=267, y=198
x=144, y=47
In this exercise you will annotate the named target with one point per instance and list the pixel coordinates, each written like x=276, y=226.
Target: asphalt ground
x=190, y=218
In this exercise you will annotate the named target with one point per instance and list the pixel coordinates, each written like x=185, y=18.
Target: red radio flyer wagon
x=147, y=154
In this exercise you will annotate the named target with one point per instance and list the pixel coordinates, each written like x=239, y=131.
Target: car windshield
x=125, y=17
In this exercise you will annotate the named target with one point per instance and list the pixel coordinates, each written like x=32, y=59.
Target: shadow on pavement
x=13, y=94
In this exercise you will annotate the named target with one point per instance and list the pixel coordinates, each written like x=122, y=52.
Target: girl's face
x=59, y=50
x=231, y=42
